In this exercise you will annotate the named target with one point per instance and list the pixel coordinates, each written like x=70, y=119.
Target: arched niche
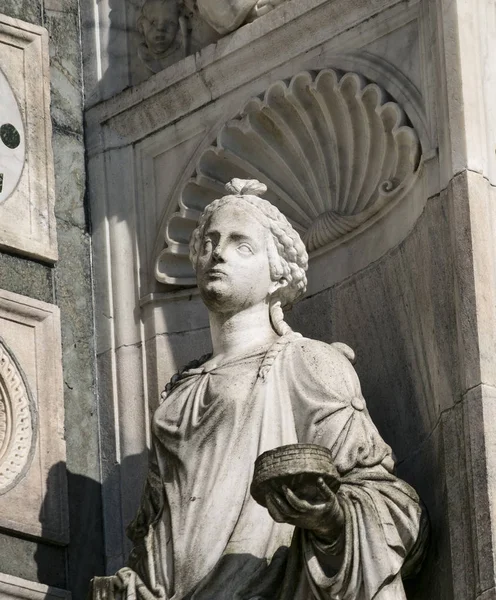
x=341, y=158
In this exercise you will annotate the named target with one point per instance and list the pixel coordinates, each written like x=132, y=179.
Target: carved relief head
x=254, y=224
x=158, y=23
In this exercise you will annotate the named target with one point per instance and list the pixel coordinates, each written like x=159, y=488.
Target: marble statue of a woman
x=199, y=535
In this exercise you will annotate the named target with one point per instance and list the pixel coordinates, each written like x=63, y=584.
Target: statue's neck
x=234, y=334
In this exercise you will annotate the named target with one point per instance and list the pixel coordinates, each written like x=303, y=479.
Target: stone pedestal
x=408, y=283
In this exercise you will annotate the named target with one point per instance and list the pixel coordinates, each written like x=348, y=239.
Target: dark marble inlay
x=10, y=136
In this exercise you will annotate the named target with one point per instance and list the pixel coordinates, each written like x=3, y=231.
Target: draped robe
x=199, y=535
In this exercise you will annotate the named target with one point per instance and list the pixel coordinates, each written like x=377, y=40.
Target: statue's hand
x=325, y=519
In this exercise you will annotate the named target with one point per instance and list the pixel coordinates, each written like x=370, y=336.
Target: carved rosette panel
x=335, y=151
x=17, y=421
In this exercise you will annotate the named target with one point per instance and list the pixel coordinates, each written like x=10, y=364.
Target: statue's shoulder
x=305, y=363
x=176, y=378
x=316, y=351
x=297, y=355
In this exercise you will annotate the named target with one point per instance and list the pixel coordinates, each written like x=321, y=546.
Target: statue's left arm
x=381, y=514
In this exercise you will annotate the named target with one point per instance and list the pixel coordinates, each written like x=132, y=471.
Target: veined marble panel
x=12, y=140
x=27, y=220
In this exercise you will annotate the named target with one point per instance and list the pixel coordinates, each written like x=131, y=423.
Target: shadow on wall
x=116, y=53
x=399, y=317
x=121, y=492
x=85, y=555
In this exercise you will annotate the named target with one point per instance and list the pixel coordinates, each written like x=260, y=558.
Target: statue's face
x=159, y=25
x=232, y=269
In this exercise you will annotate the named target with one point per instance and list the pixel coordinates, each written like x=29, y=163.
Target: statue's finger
x=283, y=506
x=324, y=489
x=273, y=509
x=295, y=502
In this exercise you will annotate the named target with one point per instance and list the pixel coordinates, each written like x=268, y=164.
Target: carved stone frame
x=36, y=504
x=27, y=219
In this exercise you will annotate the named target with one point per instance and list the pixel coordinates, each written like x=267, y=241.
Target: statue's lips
x=216, y=273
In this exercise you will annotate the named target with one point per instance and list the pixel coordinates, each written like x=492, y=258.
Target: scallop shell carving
x=333, y=150
x=17, y=422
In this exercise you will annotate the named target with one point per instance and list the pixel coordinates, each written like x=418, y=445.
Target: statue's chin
x=160, y=48
x=219, y=297
x=216, y=295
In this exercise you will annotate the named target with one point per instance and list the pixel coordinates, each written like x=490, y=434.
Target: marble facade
x=50, y=515
x=297, y=94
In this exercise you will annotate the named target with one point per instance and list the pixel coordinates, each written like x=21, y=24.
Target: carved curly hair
x=288, y=258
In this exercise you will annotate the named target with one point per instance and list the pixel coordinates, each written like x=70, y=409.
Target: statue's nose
x=218, y=253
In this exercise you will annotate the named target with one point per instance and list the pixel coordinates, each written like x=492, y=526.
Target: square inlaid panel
x=33, y=485
x=27, y=221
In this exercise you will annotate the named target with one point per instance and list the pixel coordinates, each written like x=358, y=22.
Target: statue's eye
x=245, y=248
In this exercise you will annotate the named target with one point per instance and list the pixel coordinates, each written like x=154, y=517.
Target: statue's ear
x=277, y=285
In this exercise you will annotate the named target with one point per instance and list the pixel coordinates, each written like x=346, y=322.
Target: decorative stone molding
x=27, y=219
x=335, y=151
x=33, y=485
x=17, y=421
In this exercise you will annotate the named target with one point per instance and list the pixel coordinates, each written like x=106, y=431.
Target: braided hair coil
x=288, y=258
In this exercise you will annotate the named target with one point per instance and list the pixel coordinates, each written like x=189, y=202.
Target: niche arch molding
x=340, y=156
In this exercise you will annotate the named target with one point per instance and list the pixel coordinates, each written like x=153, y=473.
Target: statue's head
x=244, y=251
x=158, y=23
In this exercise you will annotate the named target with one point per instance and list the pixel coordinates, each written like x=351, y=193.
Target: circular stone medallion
x=17, y=421
x=12, y=146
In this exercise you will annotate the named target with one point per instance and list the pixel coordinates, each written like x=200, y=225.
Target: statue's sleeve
x=382, y=513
